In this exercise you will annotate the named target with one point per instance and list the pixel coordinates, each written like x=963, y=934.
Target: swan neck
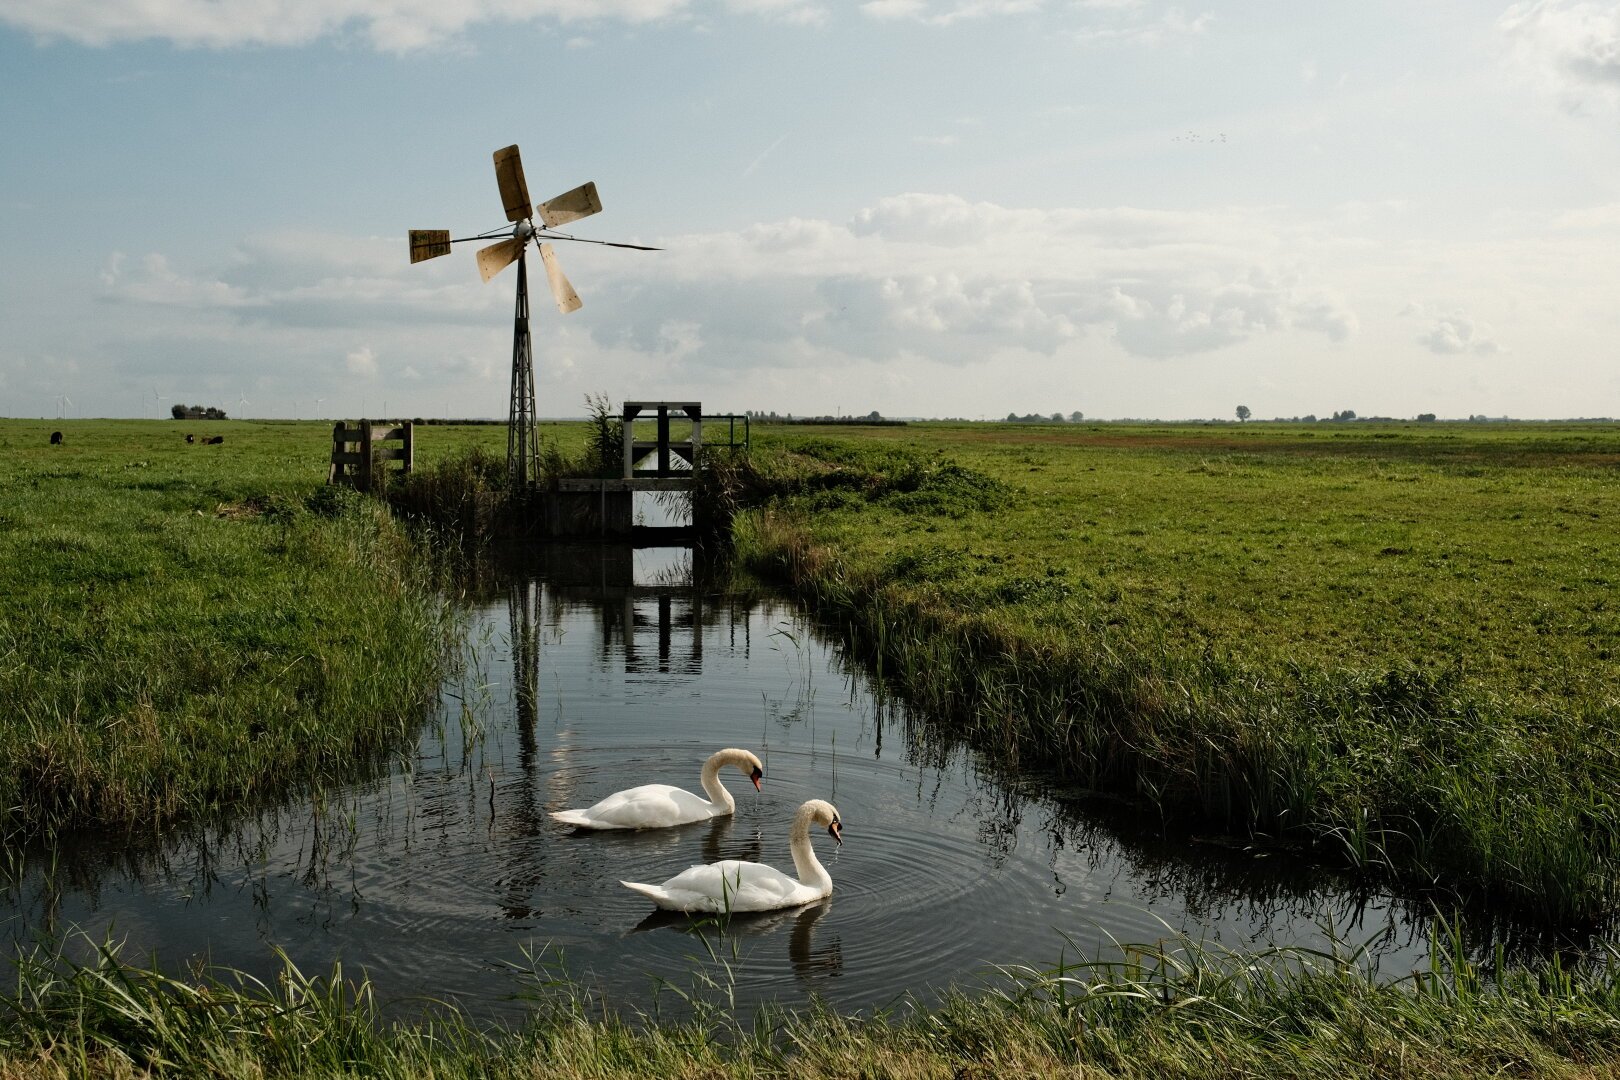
x=805, y=863
x=718, y=795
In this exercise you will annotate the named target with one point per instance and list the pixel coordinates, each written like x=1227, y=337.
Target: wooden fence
x=355, y=452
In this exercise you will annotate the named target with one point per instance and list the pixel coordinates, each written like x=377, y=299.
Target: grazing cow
x=191, y=438
x=56, y=438
x=215, y=439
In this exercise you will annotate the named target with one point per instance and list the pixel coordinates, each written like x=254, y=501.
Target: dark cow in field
x=191, y=439
x=56, y=438
x=215, y=439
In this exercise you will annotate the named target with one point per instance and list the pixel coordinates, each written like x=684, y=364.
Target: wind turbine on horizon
x=242, y=403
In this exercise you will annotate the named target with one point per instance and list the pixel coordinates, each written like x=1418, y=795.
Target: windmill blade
x=497, y=257
x=429, y=244
x=582, y=202
x=514, y=192
x=567, y=299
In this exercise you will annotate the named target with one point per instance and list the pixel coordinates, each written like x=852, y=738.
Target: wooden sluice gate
x=604, y=507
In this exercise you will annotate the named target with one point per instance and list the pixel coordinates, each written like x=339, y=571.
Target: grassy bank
x=1173, y=1010
x=1393, y=644
x=185, y=627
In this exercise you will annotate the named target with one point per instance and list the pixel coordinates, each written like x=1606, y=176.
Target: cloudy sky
x=1128, y=208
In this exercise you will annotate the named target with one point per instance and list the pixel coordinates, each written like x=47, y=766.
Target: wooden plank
x=347, y=457
x=429, y=244
x=514, y=191
x=635, y=483
x=378, y=434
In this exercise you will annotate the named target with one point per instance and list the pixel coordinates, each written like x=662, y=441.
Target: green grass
x=184, y=628
x=1169, y=1009
x=1394, y=643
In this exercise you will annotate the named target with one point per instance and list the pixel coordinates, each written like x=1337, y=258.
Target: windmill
x=158, y=399
x=241, y=404
x=63, y=403
x=522, y=443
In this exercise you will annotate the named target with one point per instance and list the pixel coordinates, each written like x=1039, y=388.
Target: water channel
x=591, y=670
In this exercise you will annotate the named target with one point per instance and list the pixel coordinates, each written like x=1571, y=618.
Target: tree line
x=197, y=412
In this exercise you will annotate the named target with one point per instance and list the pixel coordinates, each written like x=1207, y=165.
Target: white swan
x=658, y=806
x=733, y=885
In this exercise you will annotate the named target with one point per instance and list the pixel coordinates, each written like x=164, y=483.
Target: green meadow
x=1389, y=645
x=186, y=627
x=1393, y=645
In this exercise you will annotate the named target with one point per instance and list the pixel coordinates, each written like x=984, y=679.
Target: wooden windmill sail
x=522, y=444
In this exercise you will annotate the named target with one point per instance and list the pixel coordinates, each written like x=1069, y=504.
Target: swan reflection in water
x=810, y=961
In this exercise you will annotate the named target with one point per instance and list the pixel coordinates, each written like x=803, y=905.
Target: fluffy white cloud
x=939, y=276
x=944, y=14
x=1569, y=49
x=1164, y=319
x=308, y=280
x=795, y=12
x=151, y=280
x=405, y=25
x=1451, y=334
x=390, y=25
x=362, y=362
x=913, y=275
x=1131, y=26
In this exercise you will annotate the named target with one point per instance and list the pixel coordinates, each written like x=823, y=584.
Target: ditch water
x=600, y=669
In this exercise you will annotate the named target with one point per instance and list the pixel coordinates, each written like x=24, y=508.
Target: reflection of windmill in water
x=522, y=445
x=521, y=815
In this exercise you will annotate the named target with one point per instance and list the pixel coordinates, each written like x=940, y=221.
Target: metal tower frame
x=522, y=438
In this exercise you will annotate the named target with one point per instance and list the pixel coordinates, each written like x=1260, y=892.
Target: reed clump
x=1231, y=680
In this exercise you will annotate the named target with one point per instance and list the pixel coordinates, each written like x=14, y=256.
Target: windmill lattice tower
x=522, y=441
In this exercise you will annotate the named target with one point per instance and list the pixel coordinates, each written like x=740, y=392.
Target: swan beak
x=837, y=831
x=754, y=776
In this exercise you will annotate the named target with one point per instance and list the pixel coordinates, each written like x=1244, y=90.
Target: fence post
x=365, y=455
x=627, y=428
x=335, y=472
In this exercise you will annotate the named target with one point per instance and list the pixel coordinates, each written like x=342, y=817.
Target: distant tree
x=1309, y=418
x=874, y=415
x=1057, y=418
x=1347, y=414
x=197, y=412
x=1076, y=416
x=1425, y=417
x=1242, y=412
